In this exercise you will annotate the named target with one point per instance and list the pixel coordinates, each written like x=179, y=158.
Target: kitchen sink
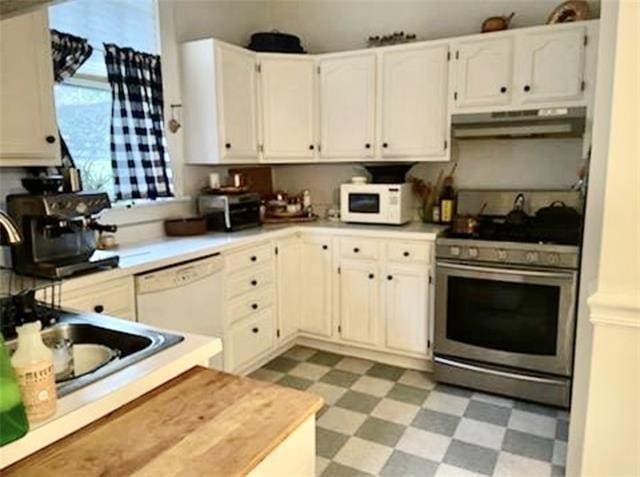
x=129, y=342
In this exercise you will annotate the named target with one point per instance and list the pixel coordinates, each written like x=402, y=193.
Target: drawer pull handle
x=389, y=277
x=325, y=247
x=255, y=330
x=98, y=308
x=371, y=276
x=406, y=254
x=254, y=258
x=254, y=282
x=254, y=306
x=356, y=250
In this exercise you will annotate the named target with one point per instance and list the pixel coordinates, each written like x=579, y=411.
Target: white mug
x=214, y=180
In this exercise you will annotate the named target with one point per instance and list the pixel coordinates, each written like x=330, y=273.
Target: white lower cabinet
x=288, y=284
x=359, y=301
x=406, y=292
x=249, y=338
x=315, y=284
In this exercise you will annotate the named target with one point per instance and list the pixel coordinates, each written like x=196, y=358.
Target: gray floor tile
x=454, y=390
x=562, y=430
x=340, y=378
x=482, y=411
x=408, y=394
x=328, y=442
x=434, y=421
x=385, y=371
x=324, y=358
x=557, y=471
x=295, y=382
x=471, y=457
x=338, y=470
x=401, y=464
x=383, y=432
x=528, y=445
x=300, y=353
x=536, y=408
x=281, y=364
x=359, y=402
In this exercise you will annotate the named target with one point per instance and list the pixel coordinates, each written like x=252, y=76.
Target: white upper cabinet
x=28, y=127
x=483, y=71
x=219, y=103
x=347, y=106
x=550, y=65
x=237, y=103
x=414, y=122
x=287, y=89
x=315, y=284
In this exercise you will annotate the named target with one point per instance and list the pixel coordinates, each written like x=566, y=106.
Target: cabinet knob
x=50, y=139
x=254, y=282
x=227, y=145
x=371, y=276
x=503, y=89
x=325, y=247
x=367, y=146
x=406, y=254
x=254, y=258
x=389, y=277
x=98, y=308
x=385, y=145
x=527, y=88
x=255, y=330
x=254, y=306
x=356, y=250
x=312, y=147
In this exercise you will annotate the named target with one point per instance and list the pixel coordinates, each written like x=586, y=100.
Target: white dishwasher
x=185, y=297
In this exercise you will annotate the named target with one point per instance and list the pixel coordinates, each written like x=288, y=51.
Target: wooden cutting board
x=203, y=422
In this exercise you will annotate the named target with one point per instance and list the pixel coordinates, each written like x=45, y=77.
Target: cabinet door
x=359, y=301
x=237, y=103
x=550, y=65
x=347, y=106
x=483, y=73
x=288, y=270
x=28, y=130
x=315, y=284
x=407, y=310
x=287, y=98
x=414, y=102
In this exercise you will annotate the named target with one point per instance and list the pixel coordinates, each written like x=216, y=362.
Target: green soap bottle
x=13, y=418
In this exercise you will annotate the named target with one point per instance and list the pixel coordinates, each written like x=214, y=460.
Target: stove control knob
x=501, y=254
x=473, y=252
x=553, y=258
x=531, y=257
x=454, y=251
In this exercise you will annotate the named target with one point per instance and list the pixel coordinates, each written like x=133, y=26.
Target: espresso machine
x=59, y=233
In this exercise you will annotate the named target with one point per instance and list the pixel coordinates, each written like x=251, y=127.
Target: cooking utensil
x=517, y=216
x=570, y=11
x=496, y=23
x=275, y=41
x=467, y=224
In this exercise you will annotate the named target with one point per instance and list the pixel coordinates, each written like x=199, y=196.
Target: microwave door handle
x=506, y=271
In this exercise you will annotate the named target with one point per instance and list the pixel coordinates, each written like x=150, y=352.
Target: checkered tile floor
x=388, y=421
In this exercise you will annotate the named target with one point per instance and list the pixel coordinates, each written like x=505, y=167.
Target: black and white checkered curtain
x=69, y=53
x=138, y=149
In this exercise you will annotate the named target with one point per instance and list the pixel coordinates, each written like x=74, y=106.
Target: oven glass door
x=504, y=316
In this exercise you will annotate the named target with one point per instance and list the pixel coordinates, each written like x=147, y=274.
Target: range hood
x=547, y=122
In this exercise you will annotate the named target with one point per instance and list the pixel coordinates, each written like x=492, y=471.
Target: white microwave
x=376, y=203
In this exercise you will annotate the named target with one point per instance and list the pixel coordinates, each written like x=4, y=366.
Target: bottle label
x=38, y=388
x=446, y=212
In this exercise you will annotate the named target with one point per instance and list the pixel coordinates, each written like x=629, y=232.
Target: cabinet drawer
x=359, y=248
x=409, y=251
x=250, y=303
x=253, y=278
x=109, y=298
x=249, y=257
x=250, y=338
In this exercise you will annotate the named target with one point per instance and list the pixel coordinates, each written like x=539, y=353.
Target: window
x=83, y=102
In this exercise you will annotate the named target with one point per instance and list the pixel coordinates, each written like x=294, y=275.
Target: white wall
x=330, y=25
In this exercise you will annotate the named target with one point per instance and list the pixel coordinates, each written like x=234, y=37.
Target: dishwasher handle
x=178, y=275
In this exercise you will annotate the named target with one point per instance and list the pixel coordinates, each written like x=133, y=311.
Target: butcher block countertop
x=203, y=422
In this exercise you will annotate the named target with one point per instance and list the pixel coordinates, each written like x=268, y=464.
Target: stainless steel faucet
x=9, y=232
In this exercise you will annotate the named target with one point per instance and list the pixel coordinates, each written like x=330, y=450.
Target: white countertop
x=145, y=256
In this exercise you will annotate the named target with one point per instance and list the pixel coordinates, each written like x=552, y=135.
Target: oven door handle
x=495, y=372
x=507, y=271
